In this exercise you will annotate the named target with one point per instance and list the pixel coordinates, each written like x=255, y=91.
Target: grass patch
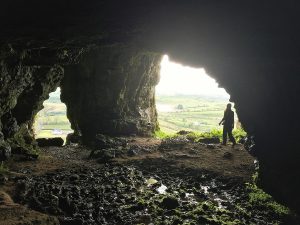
x=163, y=135
x=239, y=134
x=192, y=113
x=195, y=136
x=260, y=199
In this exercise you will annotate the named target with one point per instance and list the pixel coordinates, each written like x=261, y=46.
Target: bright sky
x=178, y=79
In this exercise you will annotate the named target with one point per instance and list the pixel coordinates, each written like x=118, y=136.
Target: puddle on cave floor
x=162, y=189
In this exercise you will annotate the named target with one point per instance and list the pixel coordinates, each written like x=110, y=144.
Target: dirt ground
x=224, y=161
x=235, y=161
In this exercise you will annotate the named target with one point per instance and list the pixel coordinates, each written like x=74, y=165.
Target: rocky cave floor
x=144, y=181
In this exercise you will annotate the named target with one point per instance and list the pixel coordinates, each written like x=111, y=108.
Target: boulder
x=5, y=151
x=73, y=138
x=103, y=155
x=212, y=140
x=170, y=203
x=43, y=142
x=103, y=142
x=10, y=127
x=184, y=132
x=174, y=142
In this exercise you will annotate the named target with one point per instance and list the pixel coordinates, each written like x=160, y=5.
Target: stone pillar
x=112, y=91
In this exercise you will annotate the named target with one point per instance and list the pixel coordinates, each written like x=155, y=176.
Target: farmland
x=52, y=120
x=175, y=113
x=193, y=113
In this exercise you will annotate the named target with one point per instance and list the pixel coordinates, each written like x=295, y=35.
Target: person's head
x=228, y=106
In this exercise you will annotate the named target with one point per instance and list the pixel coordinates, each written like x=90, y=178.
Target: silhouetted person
x=228, y=124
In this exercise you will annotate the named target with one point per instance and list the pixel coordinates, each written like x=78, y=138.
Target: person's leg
x=224, y=135
x=231, y=138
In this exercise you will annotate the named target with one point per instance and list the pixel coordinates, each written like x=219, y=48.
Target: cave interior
x=105, y=56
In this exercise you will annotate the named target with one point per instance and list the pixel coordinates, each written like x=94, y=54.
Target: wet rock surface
x=84, y=196
x=175, y=184
x=249, y=144
x=121, y=194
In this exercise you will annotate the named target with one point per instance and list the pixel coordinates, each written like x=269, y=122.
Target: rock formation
x=115, y=89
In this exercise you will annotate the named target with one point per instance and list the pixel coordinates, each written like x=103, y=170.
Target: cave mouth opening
x=52, y=120
x=189, y=99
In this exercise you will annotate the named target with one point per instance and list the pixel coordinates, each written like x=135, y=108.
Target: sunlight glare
x=176, y=79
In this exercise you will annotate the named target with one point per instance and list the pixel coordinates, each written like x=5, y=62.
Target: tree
x=180, y=107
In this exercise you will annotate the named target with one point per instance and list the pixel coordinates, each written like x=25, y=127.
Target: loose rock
x=170, y=203
x=73, y=139
x=183, y=132
x=211, y=146
x=212, y=140
x=5, y=151
x=104, y=141
x=174, y=142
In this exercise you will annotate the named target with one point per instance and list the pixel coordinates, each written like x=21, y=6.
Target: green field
x=175, y=113
x=52, y=120
x=192, y=113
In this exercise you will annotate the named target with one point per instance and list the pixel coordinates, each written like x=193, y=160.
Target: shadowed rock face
x=102, y=48
x=114, y=88
x=23, y=90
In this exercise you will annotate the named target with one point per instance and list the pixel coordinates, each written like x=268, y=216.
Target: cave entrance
x=189, y=99
x=52, y=121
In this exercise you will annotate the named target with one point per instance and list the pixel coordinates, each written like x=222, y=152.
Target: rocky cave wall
x=265, y=103
x=23, y=90
x=108, y=89
x=250, y=47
